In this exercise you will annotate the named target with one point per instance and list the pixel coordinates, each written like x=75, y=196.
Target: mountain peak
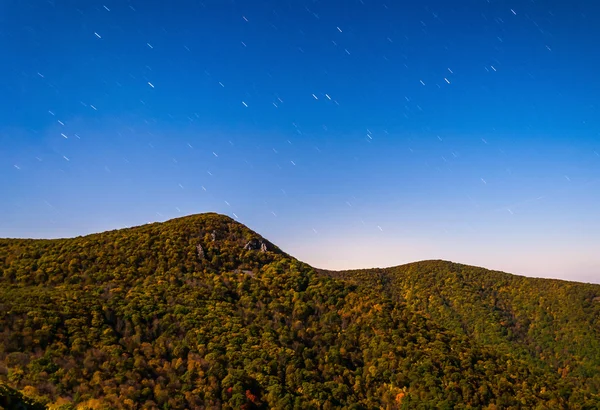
x=199, y=242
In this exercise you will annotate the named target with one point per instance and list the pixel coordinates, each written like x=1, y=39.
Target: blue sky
x=351, y=133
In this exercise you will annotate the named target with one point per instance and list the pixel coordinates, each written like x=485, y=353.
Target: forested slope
x=200, y=312
x=552, y=324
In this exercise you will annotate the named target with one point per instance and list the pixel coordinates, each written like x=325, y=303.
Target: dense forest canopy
x=200, y=312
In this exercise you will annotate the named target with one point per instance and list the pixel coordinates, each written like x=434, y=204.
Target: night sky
x=350, y=133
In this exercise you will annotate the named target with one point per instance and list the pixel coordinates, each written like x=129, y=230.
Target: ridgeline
x=201, y=312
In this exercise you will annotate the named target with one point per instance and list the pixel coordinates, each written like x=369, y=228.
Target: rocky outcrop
x=256, y=245
x=245, y=272
x=200, y=249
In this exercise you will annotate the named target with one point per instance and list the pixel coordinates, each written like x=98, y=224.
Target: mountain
x=201, y=312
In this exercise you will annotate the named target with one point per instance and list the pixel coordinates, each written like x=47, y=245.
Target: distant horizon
x=291, y=253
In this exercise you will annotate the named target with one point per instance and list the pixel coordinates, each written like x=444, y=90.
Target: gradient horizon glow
x=351, y=134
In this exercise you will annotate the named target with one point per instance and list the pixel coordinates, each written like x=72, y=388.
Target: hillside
x=201, y=312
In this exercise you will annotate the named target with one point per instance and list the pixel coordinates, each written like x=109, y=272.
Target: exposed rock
x=200, y=251
x=245, y=272
x=250, y=245
x=596, y=299
x=214, y=235
x=256, y=245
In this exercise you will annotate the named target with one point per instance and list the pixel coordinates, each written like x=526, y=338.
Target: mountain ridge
x=202, y=312
x=232, y=220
